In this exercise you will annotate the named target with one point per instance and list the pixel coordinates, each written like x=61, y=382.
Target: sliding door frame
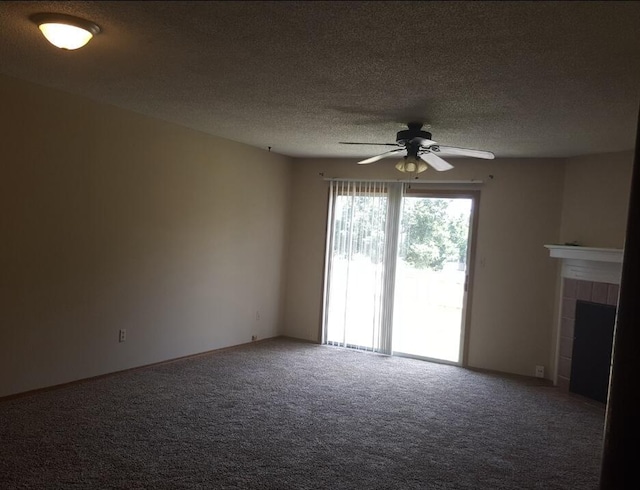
x=409, y=191
x=474, y=195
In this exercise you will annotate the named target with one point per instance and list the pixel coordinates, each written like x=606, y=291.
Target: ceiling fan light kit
x=65, y=31
x=411, y=165
x=420, y=150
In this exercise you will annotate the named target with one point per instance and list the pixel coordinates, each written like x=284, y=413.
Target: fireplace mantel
x=589, y=263
x=585, y=253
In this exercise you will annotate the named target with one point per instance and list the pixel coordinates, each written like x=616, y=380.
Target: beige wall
x=514, y=285
x=596, y=198
x=113, y=220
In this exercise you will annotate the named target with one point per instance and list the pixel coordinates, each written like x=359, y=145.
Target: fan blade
x=464, y=151
x=379, y=157
x=378, y=144
x=423, y=141
x=436, y=162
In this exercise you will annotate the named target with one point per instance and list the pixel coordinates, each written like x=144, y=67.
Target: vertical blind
x=362, y=242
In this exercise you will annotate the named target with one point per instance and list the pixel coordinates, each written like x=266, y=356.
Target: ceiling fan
x=420, y=150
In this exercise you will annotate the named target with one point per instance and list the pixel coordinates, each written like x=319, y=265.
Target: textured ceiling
x=533, y=79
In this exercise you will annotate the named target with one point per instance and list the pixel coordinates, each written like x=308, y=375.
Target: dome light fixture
x=65, y=31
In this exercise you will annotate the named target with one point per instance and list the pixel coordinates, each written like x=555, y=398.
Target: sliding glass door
x=397, y=270
x=431, y=276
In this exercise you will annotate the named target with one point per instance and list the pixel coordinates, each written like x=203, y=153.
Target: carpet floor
x=282, y=414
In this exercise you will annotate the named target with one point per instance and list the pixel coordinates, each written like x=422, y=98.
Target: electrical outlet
x=122, y=335
x=254, y=338
x=539, y=371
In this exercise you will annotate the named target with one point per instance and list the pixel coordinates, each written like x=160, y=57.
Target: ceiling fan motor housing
x=414, y=133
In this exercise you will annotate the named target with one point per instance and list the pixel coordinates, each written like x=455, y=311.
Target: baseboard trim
x=144, y=366
x=296, y=339
x=505, y=374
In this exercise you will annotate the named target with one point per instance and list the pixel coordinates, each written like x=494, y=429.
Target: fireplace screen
x=592, y=344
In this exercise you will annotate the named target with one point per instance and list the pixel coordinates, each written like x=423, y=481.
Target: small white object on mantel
x=589, y=263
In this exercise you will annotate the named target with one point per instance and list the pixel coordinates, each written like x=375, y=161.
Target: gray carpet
x=288, y=415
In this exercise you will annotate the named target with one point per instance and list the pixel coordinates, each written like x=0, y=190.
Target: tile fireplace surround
x=588, y=274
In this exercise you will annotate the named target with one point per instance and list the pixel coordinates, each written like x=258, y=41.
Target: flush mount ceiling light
x=65, y=31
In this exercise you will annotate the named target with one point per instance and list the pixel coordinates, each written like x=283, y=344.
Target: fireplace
x=591, y=277
x=574, y=292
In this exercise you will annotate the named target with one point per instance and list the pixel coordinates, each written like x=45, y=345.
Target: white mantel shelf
x=589, y=263
x=585, y=253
